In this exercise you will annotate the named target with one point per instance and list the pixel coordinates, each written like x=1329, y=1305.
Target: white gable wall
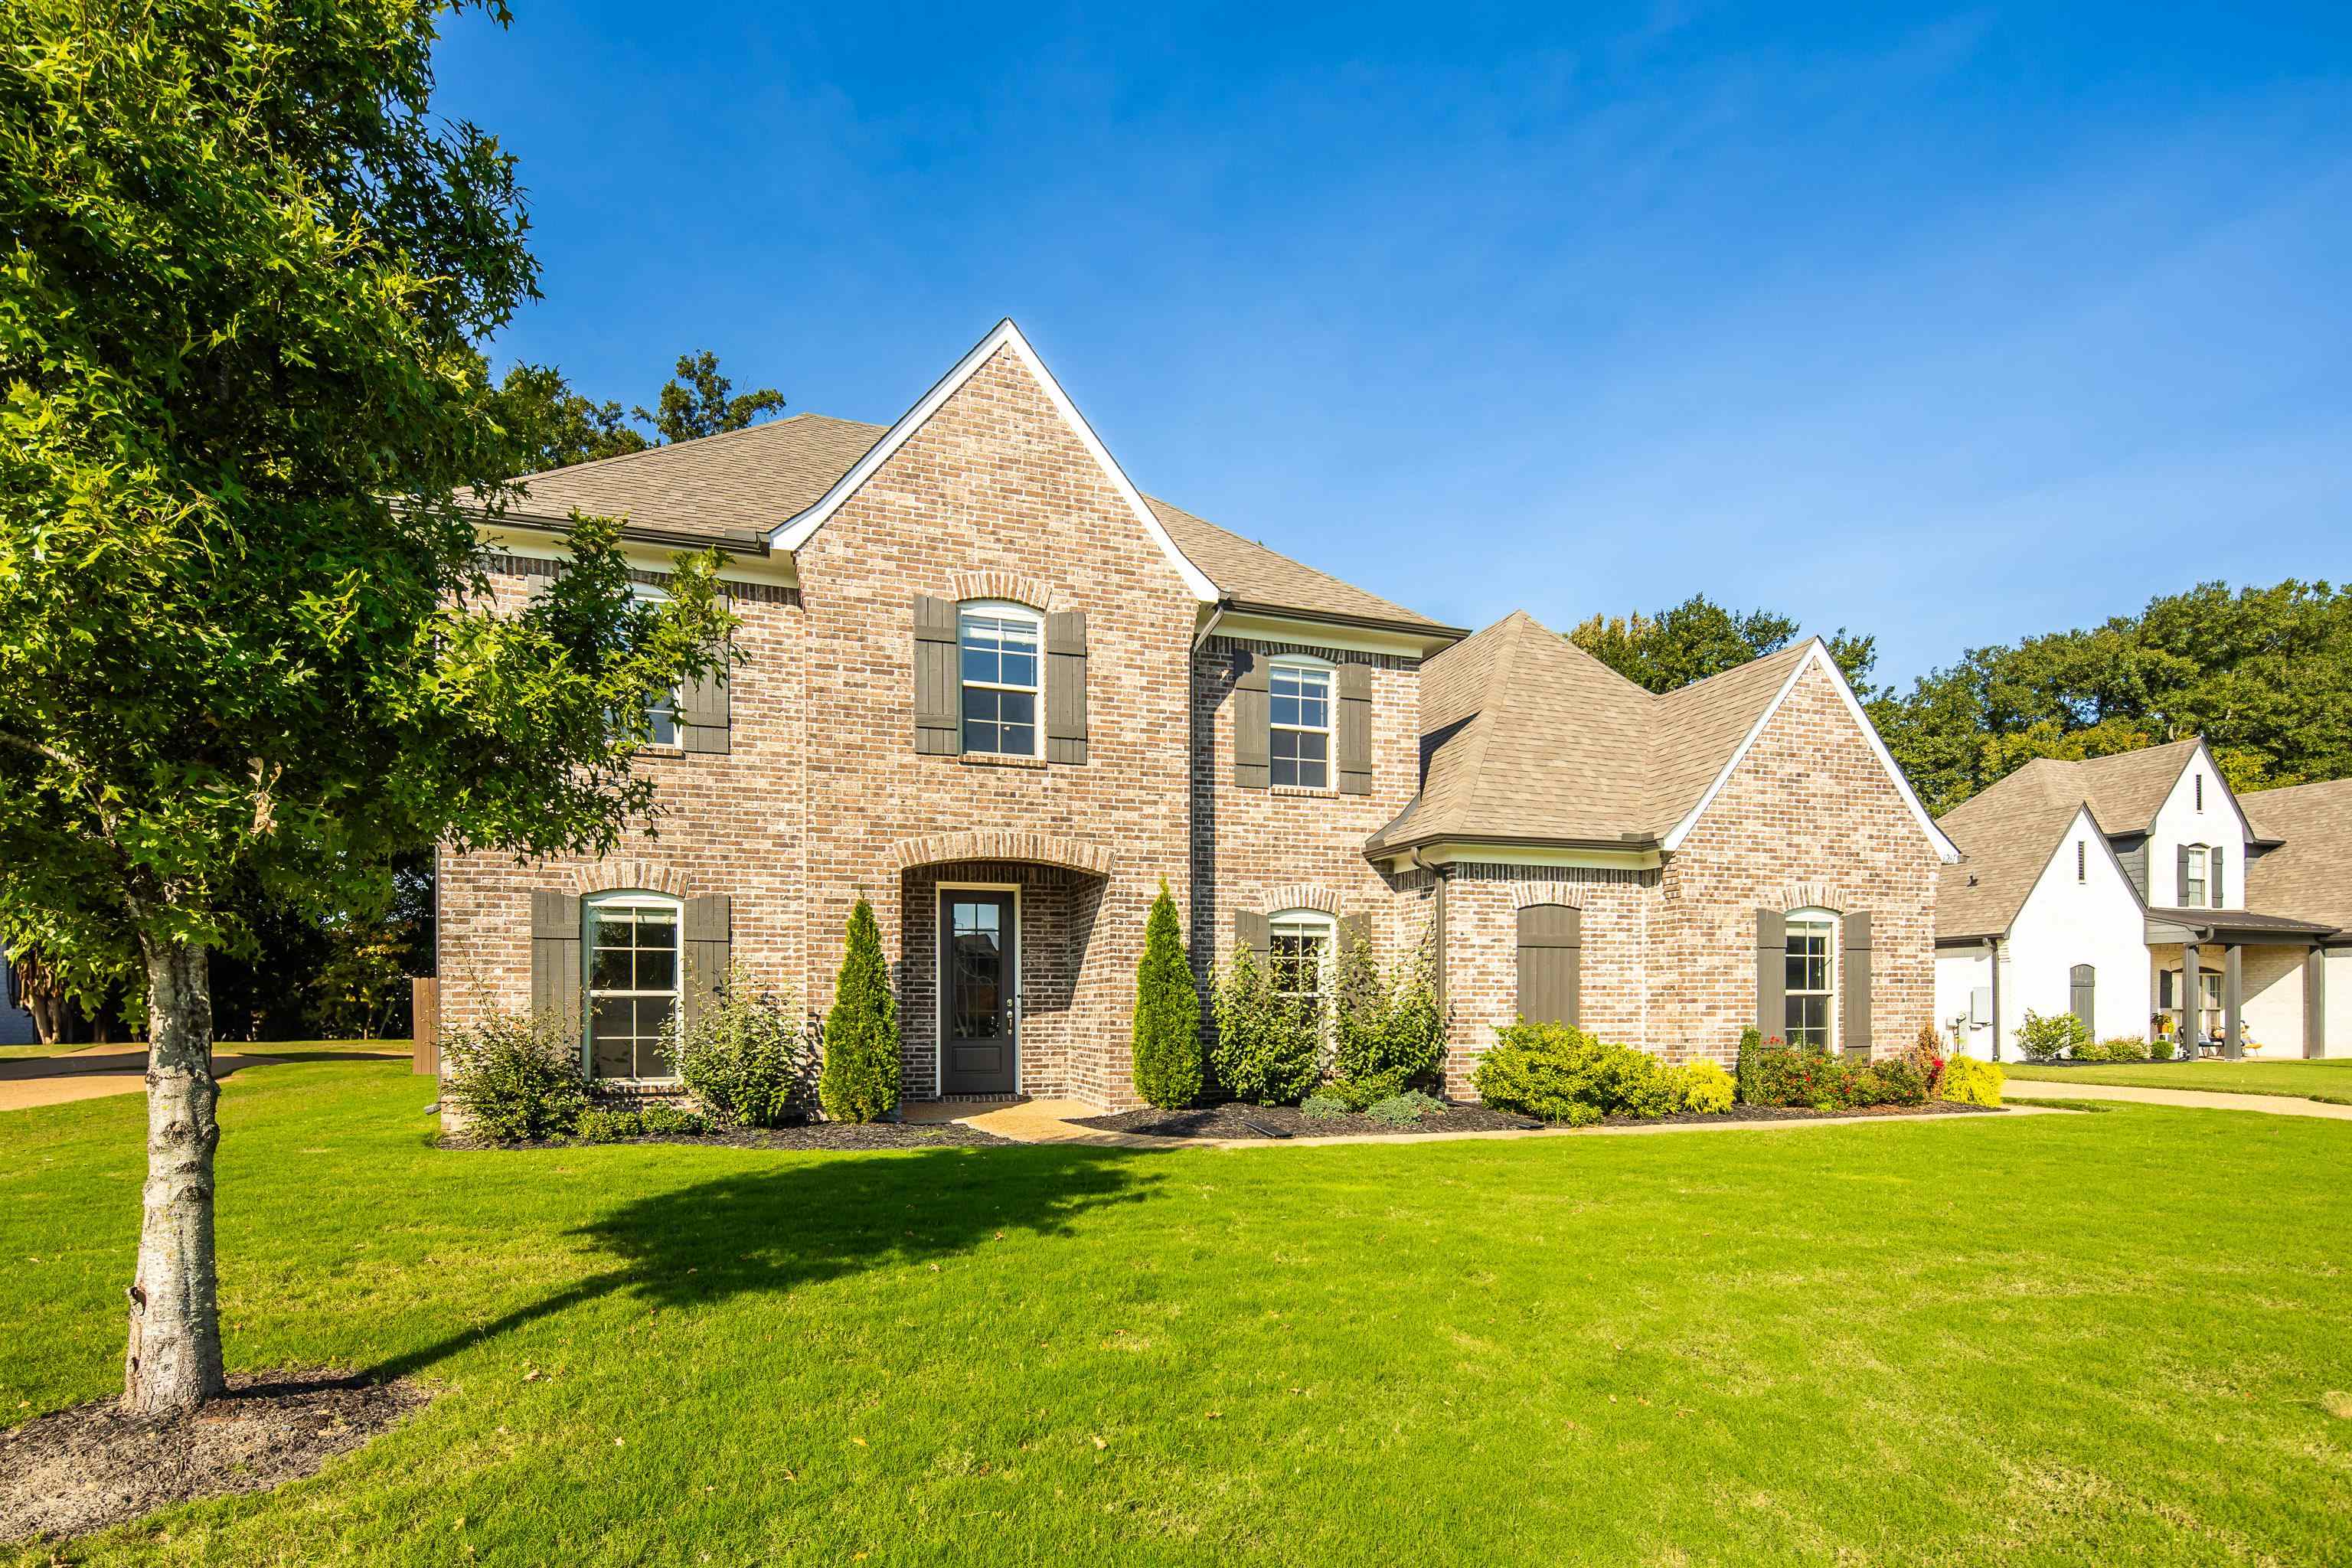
x=2179, y=822
x=1960, y=973
x=2097, y=921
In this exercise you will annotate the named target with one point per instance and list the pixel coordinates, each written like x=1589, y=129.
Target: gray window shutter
x=1065, y=687
x=709, y=923
x=1771, y=973
x=1251, y=715
x=704, y=706
x=939, y=719
x=1355, y=728
x=1551, y=963
x=2180, y=877
x=1854, y=984
x=1249, y=931
x=555, y=975
x=2082, y=995
x=2214, y=895
x=1354, y=928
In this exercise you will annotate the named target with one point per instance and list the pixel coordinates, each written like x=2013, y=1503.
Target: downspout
x=1438, y=876
x=1992, y=960
x=1208, y=628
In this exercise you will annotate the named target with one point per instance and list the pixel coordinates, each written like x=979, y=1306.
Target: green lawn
x=2331, y=1080
x=2039, y=1339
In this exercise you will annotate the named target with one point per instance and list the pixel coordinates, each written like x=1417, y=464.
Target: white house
x=2094, y=886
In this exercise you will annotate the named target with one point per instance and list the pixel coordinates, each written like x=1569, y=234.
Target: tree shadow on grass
x=806, y=1223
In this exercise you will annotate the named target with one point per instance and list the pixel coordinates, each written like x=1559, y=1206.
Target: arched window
x=1809, y=990
x=632, y=942
x=999, y=653
x=1300, y=947
x=1299, y=731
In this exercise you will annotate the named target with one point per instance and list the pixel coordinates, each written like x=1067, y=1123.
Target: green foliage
x=700, y=402
x=609, y=1124
x=1407, y=1110
x=1559, y=1073
x=1703, y=1087
x=662, y=1119
x=1167, y=1032
x=515, y=1076
x=860, y=1080
x=1782, y=1075
x=746, y=1056
x=2264, y=674
x=2092, y=1051
x=1388, y=1029
x=1968, y=1081
x=1323, y=1106
x=1743, y=1072
x=1699, y=638
x=2161, y=1049
x=2045, y=1039
x=2124, y=1048
x=1269, y=1047
x=1892, y=1080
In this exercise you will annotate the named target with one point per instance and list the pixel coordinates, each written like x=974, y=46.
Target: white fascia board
x=1323, y=633
x=1451, y=852
x=796, y=530
x=1946, y=850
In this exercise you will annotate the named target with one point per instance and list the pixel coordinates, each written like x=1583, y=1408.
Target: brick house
x=991, y=687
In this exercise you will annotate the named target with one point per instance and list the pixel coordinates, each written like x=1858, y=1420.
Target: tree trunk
x=174, y=1363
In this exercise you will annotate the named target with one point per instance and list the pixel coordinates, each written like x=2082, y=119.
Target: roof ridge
x=1744, y=664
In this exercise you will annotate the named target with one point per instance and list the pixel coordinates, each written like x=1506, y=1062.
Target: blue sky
x=1951, y=325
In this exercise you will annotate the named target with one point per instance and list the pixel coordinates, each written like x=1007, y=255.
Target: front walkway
x=1055, y=1121
x=2195, y=1098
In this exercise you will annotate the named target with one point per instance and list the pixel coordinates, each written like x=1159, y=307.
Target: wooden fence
x=424, y=1008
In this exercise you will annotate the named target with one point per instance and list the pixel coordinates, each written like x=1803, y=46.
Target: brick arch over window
x=998, y=584
x=1811, y=896
x=1299, y=896
x=1527, y=895
x=631, y=876
x=1002, y=844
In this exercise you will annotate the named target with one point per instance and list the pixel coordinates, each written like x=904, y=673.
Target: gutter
x=733, y=543
x=1633, y=842
x=1340, y=618
x=1209, y=627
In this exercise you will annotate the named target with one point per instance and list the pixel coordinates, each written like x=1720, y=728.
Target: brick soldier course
x=832, y=765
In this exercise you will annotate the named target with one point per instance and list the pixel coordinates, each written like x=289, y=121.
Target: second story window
x=1299, y=737
x=661, y=707
x=2192, y=877
x=997, y=652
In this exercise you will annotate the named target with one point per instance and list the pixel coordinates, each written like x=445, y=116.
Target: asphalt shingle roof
x=2309, y=877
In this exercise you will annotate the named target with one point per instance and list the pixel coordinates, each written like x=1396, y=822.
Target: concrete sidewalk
x=2194, y=1099
x=96, y=1071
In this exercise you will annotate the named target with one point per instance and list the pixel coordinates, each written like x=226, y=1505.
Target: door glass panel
x=976, y=1001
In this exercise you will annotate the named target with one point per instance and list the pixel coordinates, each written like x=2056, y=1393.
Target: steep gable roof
x=1527, y=738
x=2309, y=874
x=2124, y=791
x=780, y=481
x=2004, y=849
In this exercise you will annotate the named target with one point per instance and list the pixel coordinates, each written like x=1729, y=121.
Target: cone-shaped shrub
x=860, y=1082
x=1167, y=1013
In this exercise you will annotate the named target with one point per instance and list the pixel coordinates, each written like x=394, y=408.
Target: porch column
x=2233, y=1035
x=2314, y=1002
x=2188, y=997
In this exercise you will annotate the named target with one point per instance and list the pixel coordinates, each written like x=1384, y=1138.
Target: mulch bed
x=840, y=1136
x=79, y=1470
x=1238, y=1121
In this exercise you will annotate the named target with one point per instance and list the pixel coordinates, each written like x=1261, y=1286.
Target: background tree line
x=2264, y=673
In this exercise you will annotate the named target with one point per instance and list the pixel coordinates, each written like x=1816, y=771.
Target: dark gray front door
x=977, y=977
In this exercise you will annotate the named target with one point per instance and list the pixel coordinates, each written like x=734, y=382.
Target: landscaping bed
x=82, y=1469
x=843, y=1137
x=1238, y=1121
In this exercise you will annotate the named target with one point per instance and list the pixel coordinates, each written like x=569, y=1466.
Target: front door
x=978, y=985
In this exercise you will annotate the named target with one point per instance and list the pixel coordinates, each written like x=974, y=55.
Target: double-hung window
x=1299, y=951
x=661, y=707
x=632, y=990
x=1299, y=737
x=2192, y=879
x=1809, y=985
x=997, y=651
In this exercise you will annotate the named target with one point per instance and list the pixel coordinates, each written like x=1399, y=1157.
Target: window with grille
x=1298, y=741
x=632, y=983
x=1809, y=990
x=997, y=650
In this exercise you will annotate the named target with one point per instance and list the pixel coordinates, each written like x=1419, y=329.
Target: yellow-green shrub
x=1704, y=1086
x=1969, y=1081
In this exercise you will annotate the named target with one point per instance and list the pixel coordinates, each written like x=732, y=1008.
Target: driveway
x=2196, y=1099
x=96, y=1071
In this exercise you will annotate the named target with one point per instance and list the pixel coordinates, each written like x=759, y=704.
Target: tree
x=1167, y=1038
x=697, y=403
x=251, y=642
x=2264, y=674
x=552, y=426
x=1699, y=638
x=859, y=1082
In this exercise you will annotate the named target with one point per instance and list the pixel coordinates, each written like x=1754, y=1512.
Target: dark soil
x=82, y=1469
x=815, y=1135
x=1238, y=1121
